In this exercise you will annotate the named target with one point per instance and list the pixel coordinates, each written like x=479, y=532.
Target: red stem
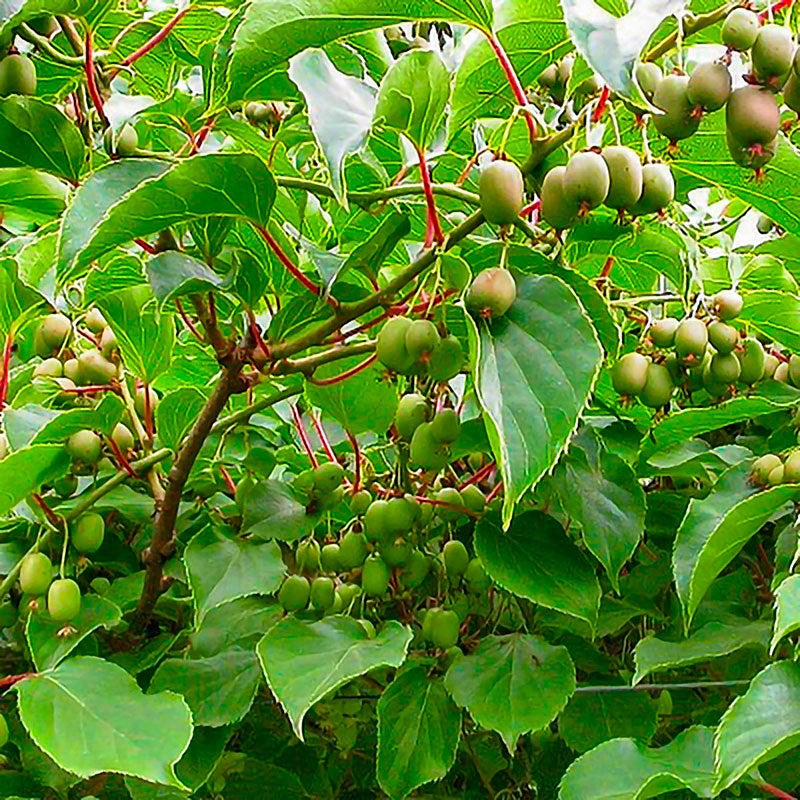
x=531, y=208
x=434, y=230
x=605, y=272
x=256, y=333
x=187, y=321
x=48, y=512
x=226, y=476
x=97, y=389
x=88, y=336
x=146, y=246
x=357, y=456
x=776, y=792
x=10, y=680
x=326, y=445
x=296, y=273
x=496, y=491
x=478, y=476
x=5, y=378
x=150, y=43
x=120, y=456
x=452, y=506
x=91, y=82
x=470, y=164
x=344, y=375
x=301, y=432
x=197, y=143
x=514, y=82
x=148, y=412
x=776, y=7
x=601, y=104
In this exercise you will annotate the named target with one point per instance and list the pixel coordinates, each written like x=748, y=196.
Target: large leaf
x=271, y=512
x=36, y=134
x=13, y=12
x=536, y=559
x=176, y=412
x=20, y=302
x=713, y=640
x=535, y=368
x=32, y=194
x=222, y=568
x=760, y=725
x=173, y=274
x=239, y=623
x=118, y=728
x=272, y=31
x=418, y=731
x=773, y=314
x=341, y=128
x=716, y=528
x=787, y=610
x=624, y=768
x=512, y=684
x=303, y=662
x=115, y=204
x=26, y=470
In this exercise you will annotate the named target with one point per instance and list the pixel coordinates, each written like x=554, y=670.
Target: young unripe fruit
x=375, y=577
x=648, y=76
x=49, y=368
x=329, y=558
x=473, y=498
x=72, y=370
x=740, y=29
x=421, y=339
x=629, y=374
x=55, y=332
x=476, y=578
x=88, y=532
x=66, y=485
x=658, y=386
x=94, y=369
x=625, y=176
x=391, y=345
x=781, y=373
x=446, y=360
x=723, y=337
x=323, y=593
x=426, y=452
x=558, y=210
x=123, y=143
x=325, y=502
x=307, y=556
x=415, y=569
x=456, y=559
x=549, y=76
x=35, y=574
x=352, y=550
x=395, y=552
x=752, y=360
x=44, y=25
x=775, y=477
x=348, y=592
x=400, y=515
x=709, y=86
x=108, y=342
x=123, y=438
x=671, y=96
x=451, y=503
x=360, y=502
x=794, y=370
x=95, y=321
x=587, y=180
x=752, y=116
x=328, y=476
x=412, y=411
x=258, y=113
x=727, y=304
x=100, y=585
x=711, y=384
x=502, y=192
x=691, y=339
x=791, y=467
x=294, y=593
x=85, y=446
x=725, y=368
x=771, y=364
x=445, y=426
x=791, y=96
x=492, y=292
x=64, y=600
x=658, y=189
x=139, y=400
x=662, y=332
x=764, y=224
x=376, y=525
x=773, y=52
x=445, y=629
x=17, y=75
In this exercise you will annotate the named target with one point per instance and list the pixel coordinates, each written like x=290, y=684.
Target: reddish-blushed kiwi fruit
x=754, y=156
x=587, y=180
x=473, y=498
x=629, y=374
x=108, y=342
x=95, y=321
x=501, y=188
x=658, y=189
x=725, y=368
x=445, y=426
x=88, y=532
x=95, y=369
x=123, y=438
x=662, y=332
x=85, y=446
x=556, y=208
x=709, y=86
x=49, y=368
x=412, y=411
x=328, y=476
x=791, y=467
x=55, y=331
x=449, y=503
x=773, y=52
x=17, y=75
x=648, y=76
x=123, y=143
x=740, y=29
x=375, y=577
x=456, y=559
x=492, y=292
x=391, y=345
x=752, y=116
x=143, y=392
x=727, y=304
x=722, y=336
x=658, y=386
x=671, y=96
x=352, y=549
x=323, y=593
x=421, y=339
x=752, y=359
x=307, y=555
x=691, y=338
x=294, y=593
x=35, y=574
x=446, y=360
x=625, y=176
x=445, y=629
x=64, y=600
x=763, y=466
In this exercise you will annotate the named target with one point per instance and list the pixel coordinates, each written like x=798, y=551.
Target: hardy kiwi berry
x=772, y=52
x=587, y=180
x=49, y=368
x=625, y=176
x=709, y=86
x=122, y=437
x=412, y=411
x=426, y=452
x=658, y=189
x=753, y=156
x=658, y=386
x=648, y=76
x=376, y=524
x=763, y=466
x=421, y=339
x=662, y=332
x=322, y=593
x=35, y=574
x=725, y=368
x=328, y=476
x=752, y=116
x=740, y=29
x=456, y=559
x=64, y=600
x=791, y=467
x=557, y=209
x=502, y=192
x=17, y=75
x=629, y=374
x=294, y=593
x=446, y=360
x=723, y=337
x=85, y=446
x=445, y=426
x=55, y=332
x=375, y=577
x=727, y=304
x=88, y=533
x=94, y=369
x=492, y=292
x=123, y=143
x=391, y=345
x=352, y=550
x=691, y=339
x=672, y=97
x=401, y=514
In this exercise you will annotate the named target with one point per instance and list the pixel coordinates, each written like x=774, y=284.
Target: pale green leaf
x=24, y=471
x=787, y=610
x=31, y=194
x=173, y=274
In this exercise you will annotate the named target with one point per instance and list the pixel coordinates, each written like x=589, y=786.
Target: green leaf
x=145, y=336
x=368, y=255
x=20, y=302
x=787, y=610
x=713, y=640
x=531, y=402
x=775, y=315
x=591, y=718
x=601, y=493
x=176, y=412
x=32, y=194
x=303, y=662
x=24, y=471
x=418, y=731
x=48, y=648
x=413, y=96
x=269, y=33
x=239, y=623
x=624, y=768
x=760, y=725
x=512, y=684
x=36, y=134
x=173, y=274
x=120, y=729
x=222, y=569
x=340, y=128
x=219, y=689
x=115, y=204
x=13, y=12
x=716, y=528
x=271, y=512
x=535, y=559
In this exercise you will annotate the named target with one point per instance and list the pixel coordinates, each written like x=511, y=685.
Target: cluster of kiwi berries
x=694, y=354
x=555, y=79
x=772, y=469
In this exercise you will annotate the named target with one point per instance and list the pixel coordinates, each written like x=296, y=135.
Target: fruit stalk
x=120, y=456
x=776, y=792
x=357, y=457
x=434, y=229
x=91, y=80
x=301, y=432
x=478, y=476
x=51, y=515
x=514, y=82
x=226, y=476
x=202, y=134
x=496, y=491
x=5, y=378
x=187, y=321
x=146, y=246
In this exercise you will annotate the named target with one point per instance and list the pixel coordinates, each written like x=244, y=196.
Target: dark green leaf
x=271, y=512
x=176, y=413
x=24, y=471
x=31, y=194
